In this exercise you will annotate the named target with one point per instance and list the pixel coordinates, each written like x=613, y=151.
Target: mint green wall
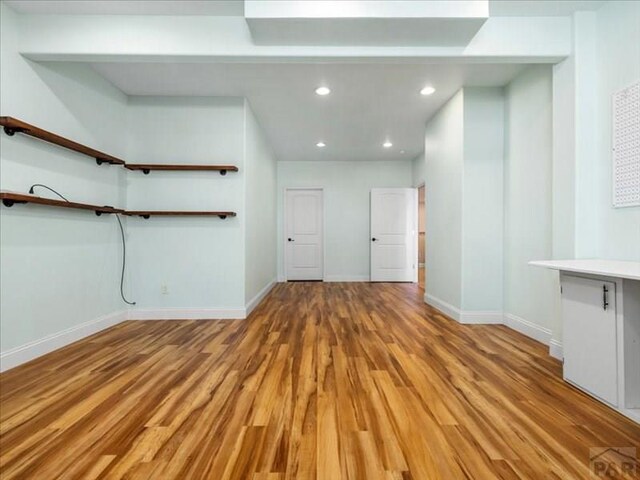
x=59, y=268
x=482, y=199
x=618, y=65
x=201, y=259
x=606, y=59
x=260, y=207
x=528, y=292
x=347, y=186
x=464, y=203
x=489, y=181
x=444, y=150
x=564, y=165
x=585, y=136
x=419, y=168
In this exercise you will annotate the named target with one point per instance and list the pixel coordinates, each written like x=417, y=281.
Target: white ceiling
x=364, y=31
x=126, y=7
x=364, y=22
x=540, y=8
x=369, y=103
x=236, y=7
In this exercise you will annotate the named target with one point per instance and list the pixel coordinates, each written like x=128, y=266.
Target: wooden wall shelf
x=13, y=126
x=11, y=198
x=178, y=213
x=147, y=167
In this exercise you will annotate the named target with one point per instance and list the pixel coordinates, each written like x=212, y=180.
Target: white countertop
x=608, y=268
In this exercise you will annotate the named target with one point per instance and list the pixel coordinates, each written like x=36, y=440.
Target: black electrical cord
x=124, y=243
x=48, y=188
x=124, y=262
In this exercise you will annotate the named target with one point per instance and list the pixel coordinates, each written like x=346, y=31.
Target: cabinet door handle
x=605, y=291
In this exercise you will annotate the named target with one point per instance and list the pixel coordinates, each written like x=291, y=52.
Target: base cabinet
x=590, y=336
x=601, y=329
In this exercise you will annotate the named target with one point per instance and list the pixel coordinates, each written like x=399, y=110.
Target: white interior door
x=303, y=234
x=393, y=235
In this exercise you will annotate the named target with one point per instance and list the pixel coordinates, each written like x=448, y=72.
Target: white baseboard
x=527, y=328
x=481, y=317
x=555, y=349
x=443, y=306
x=255, y=301
x=346, y=278
x=24, y=353
x=336, y=278
x=519, y=324
x=478, y=317
x=29, y=351
x=187, y=314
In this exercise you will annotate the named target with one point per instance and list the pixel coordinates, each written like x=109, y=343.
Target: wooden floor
x=330, y=381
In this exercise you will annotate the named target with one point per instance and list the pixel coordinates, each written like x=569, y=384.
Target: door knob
x=374, y=239
x=290, y=240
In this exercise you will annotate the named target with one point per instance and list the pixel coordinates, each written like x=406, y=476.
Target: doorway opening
x=422, y=244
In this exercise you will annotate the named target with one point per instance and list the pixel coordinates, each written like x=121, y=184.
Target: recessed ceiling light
x=323, y=91
x=387, y=144
x=321, y=144
x=428, y=90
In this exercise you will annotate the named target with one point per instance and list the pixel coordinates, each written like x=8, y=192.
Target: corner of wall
x=260, y=185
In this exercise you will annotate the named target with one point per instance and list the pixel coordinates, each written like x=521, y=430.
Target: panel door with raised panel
x=303, y=234
x=393, y=235
x=589, y=336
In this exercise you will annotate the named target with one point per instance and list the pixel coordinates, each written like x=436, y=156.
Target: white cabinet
x=601, y=329
x=589, y=322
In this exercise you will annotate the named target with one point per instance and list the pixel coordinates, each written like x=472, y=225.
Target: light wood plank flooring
x=329, y=381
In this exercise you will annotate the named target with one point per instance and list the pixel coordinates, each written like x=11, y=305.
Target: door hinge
x=605, y=299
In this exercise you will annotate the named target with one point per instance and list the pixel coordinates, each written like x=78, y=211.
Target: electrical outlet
x=164, y=289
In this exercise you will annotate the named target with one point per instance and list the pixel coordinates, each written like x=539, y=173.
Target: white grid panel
x=626, y=147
